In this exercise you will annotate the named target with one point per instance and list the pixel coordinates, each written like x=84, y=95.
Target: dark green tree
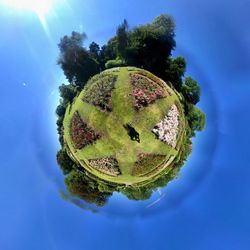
x=64, y=161
x=76, y=62
x=137, y=193
x=150, y=45
x=175, y=70
x=60, y=110
x=196, y=119
x=94, y=51
x=122, y=39
x=191, y=90
x=78, y=186
x=67, y=92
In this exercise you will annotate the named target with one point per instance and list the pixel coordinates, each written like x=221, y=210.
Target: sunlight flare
x=40, y=7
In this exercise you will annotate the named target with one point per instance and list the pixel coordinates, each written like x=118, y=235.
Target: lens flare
x=39, y=7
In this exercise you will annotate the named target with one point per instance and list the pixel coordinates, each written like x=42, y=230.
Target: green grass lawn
x=114, y=139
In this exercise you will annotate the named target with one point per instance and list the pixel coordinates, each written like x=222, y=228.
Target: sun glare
x=40, y=7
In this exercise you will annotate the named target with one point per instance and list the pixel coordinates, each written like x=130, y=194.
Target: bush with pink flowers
x=81, y=134
x=145, y=91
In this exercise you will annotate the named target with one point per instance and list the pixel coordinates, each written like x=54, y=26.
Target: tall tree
x=196, y=120
x=175, y=70
x=122, y=39
x=75, y=61
x=191, y=90
x=94, y=51
x=64, y=161
x=67, y=92
x=78, y=185
x=150, y=45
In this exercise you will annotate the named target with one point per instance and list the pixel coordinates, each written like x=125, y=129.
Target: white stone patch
x=167, y=129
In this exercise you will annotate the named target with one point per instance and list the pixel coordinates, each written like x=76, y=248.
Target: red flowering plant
x=81, y=134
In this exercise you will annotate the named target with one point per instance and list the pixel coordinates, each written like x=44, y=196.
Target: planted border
x=107, y=165
x=167, y=129
x=145, y=91
x=81, y=134
x=99, y=93
x=145, y=163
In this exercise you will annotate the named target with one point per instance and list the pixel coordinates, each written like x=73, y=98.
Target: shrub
x=64, y=161
x=166, y=130
x=81, y=134
x=145, y=91
x=107, y=165
x=115, y=63
x=99, y=93
x=81, y=187
x=146, y=163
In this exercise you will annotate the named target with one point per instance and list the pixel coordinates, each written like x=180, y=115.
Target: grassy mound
x=115, y=117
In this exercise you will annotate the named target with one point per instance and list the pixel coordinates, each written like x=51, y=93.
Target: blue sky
x=206, y=208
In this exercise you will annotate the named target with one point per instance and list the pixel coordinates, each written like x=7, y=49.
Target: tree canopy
x=191, y=90
x=78, y=186
x=77, y=63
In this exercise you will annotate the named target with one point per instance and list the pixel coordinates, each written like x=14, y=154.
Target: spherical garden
x=126, y=127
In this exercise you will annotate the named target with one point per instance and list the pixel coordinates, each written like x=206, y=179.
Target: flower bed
x=146, y=163
x=81, y=134
x=145, y=91
x=107, y=165
x=99, y=93
x=167, y=129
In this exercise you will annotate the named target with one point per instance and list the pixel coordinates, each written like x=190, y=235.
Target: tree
x=64, y=161
x=78, y=186
x=137, y=193
x=71, y=42
x=60, y=110
x=67, y=92
x=94, y=51
x=122, y=39
x=175, y=70
x=196, y=120
x=191, y=90
x=76, y=62
x=165, y=25
x=150, y=45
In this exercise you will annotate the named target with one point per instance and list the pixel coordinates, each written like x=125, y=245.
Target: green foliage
x=191, y=90
x=70, y=42
x=94, y=51
x=67, y=93
x=99, y=93
x=196, y=119
x=60, y=110
x=64, y=161
x=122, y=39
x=151, y=44
x=109, y=51
x=79, y=186
x=137, y=193
x=175, y=70
x=75, y=61
x=115, y=63
x=146, y=163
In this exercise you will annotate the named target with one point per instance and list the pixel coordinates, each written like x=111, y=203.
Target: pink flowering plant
x=145, y=91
